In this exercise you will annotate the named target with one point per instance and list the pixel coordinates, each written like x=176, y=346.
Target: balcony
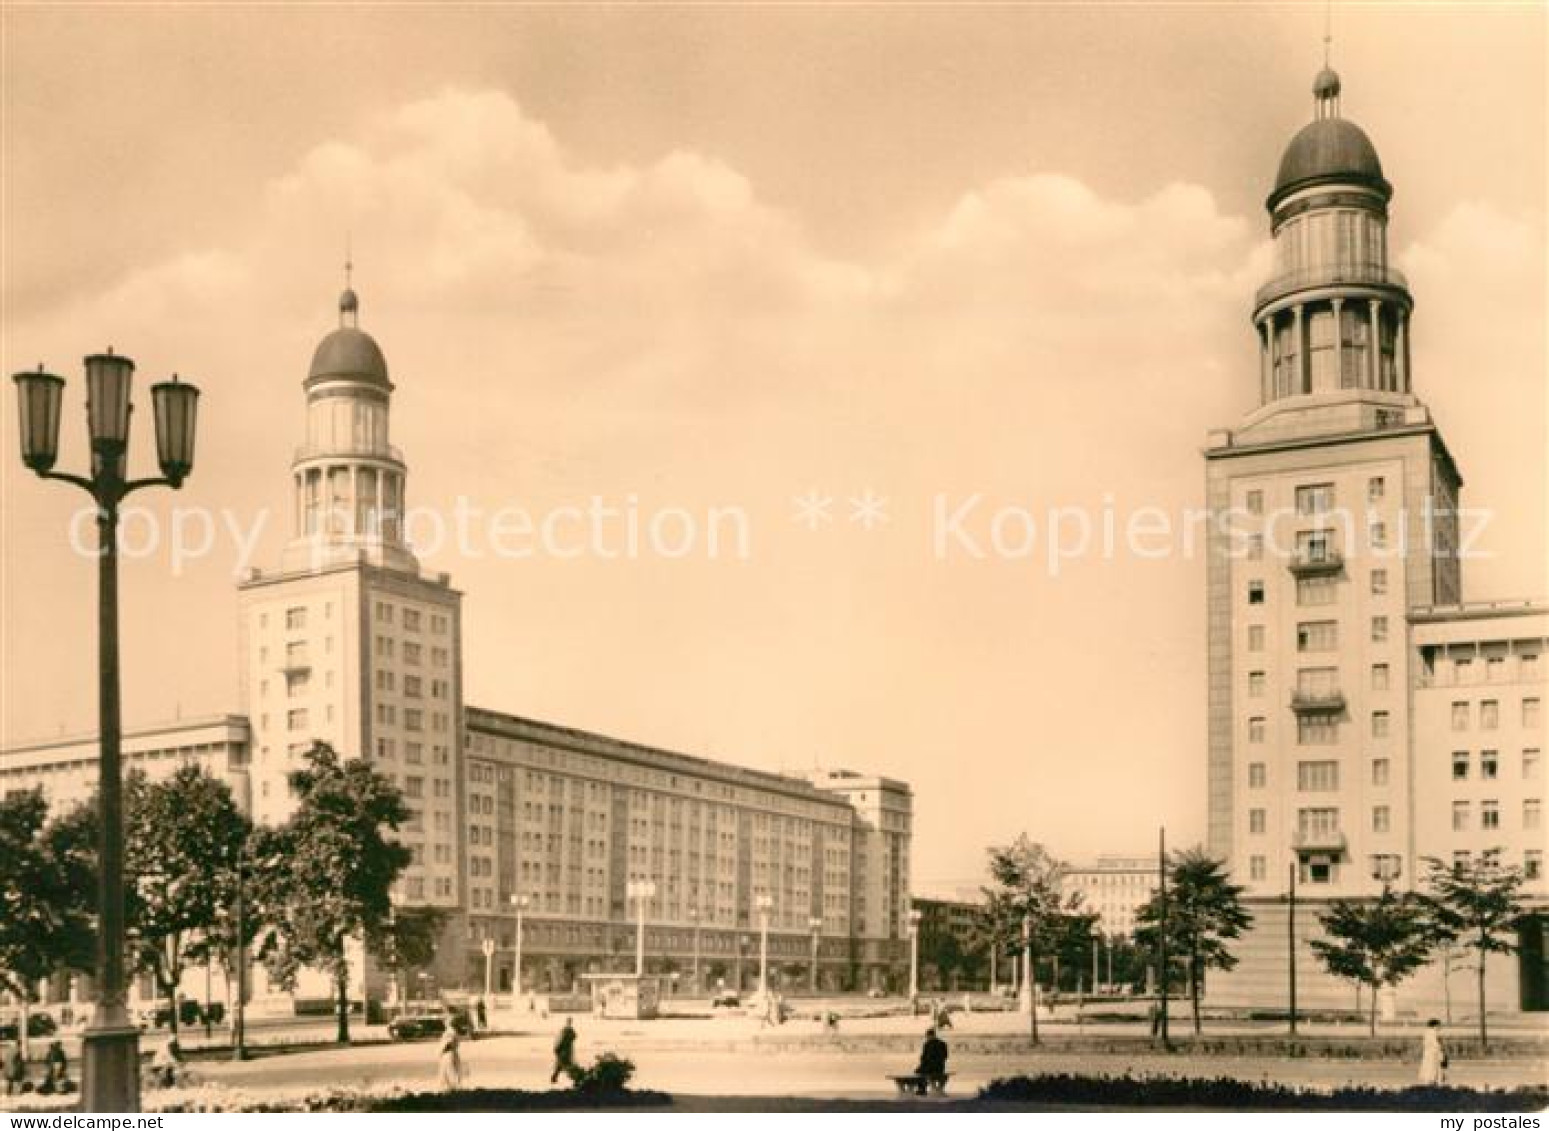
x=1317, y=700
x=1318, y=840
x=1310, y=561
x=1332, y=275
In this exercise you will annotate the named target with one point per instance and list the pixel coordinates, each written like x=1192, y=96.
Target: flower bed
x=1238, y=1095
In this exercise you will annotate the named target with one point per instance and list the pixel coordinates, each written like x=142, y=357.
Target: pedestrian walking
x=482, y=1013
x=1433, y=1056
x=564, y=1053
x=451, y=1060
x=15, y=1070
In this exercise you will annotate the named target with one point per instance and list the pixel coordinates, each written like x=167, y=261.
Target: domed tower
x=1334, y=317
x=349, y=481
x=350, y=642
x=1333, y=510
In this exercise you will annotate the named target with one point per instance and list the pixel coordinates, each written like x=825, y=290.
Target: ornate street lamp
x=110, y=1072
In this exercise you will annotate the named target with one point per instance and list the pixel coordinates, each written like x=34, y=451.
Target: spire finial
x=349, y=304
x=1325, y=88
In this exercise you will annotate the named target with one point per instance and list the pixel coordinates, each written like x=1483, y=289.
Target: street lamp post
x=640, y=891
x=914, y=955
x=110, y=1072
x=742, y=950
x=693, y=914
x=239, y=1013
x=519, y=905
x=764, y=904
x=816, y=926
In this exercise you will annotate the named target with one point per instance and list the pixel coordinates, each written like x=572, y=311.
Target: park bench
x=911, y=1083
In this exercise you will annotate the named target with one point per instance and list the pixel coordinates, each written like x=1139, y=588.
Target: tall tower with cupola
x=1334, y=505
x=349, y=480
x=1334, y=318
x=350, y=642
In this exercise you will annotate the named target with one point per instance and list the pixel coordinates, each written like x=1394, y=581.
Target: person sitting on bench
x=933, y=1064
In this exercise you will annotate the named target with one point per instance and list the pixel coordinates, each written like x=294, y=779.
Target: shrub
x=608, y=1075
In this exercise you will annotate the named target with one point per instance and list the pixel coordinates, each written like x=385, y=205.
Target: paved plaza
x=736, y=1056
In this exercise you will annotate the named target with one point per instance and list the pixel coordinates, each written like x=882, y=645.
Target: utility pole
x=1290, y=950
x=1162, y=958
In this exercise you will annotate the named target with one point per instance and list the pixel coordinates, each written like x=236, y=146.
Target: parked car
x=159, y=1016
x=416, y=1026
x=39, y=1024
x=727, y=998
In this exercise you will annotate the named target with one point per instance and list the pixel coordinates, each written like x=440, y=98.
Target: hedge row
x=1229, y=1094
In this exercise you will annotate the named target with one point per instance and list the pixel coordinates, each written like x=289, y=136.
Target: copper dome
x=348, y=352
x=1325, y=151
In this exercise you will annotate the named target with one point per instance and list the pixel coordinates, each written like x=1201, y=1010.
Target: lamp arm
x=65, y=477
x=136, y=484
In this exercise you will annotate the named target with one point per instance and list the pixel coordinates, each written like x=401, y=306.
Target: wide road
x=747, y=1070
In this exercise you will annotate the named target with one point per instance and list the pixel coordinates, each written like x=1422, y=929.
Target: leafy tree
x=1375, y=943
x=407, y=940
x=185, y=834
x=339, y=867
x=1025, y=906
x=1072, y=937
x=942, y=953
x=47, y=890
x=1204, y=914
x=1478, y=905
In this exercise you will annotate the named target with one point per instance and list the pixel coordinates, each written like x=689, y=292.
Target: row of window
x=412, y=653
x=1387, y=867
x=413, y=685
x=413, y=717
x=411, y=619
x=1490, y=814
x=1325, y=822
x=1490, y=714
x=1489, y=764
x=1257, y=680
x=414, y=887
x=1318, y=498
x=413, y=752
x=1466, y=670
x=1318, y=730
x=296, y=616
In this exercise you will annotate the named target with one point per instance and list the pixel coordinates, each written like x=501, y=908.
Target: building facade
x=352, y=643
x=1114, y=887
x=1334, y=590
x=563, y=821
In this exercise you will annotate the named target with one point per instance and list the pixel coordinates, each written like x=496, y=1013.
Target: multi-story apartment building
x=1114, y=887
x=351, y=642
x=1333, y=589
x=565, y=820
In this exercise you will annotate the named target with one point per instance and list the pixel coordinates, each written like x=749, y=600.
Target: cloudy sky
x=727, y=256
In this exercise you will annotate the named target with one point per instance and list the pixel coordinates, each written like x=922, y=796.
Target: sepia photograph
x=773, y=557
